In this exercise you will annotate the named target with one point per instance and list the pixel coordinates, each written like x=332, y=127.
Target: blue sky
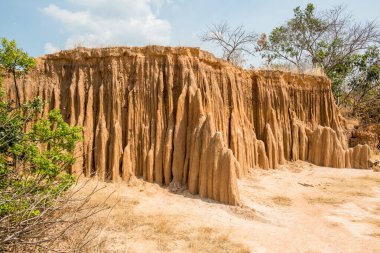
x=43, y=26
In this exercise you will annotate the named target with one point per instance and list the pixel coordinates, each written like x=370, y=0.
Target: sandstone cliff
x=180, y=116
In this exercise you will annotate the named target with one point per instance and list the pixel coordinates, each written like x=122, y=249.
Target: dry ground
x=297, y=208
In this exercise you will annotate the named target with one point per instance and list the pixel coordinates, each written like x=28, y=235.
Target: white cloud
x=104, y=23
x=50, y=48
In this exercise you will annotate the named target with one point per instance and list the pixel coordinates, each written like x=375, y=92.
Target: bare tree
x=344, y=36
x=235, y=42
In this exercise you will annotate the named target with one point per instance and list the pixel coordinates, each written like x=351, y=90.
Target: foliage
x=235, y=42
x=362, y=90
x=329, y=39
x=15, y=61
x=13, y=58
x=35, y=156
x=41, y=209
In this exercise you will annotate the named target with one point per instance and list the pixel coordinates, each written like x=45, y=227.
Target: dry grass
x=247, y=213
x=355, y=187
x=165, y=232
x=372, y=221
x=339, y=190
x=206, y=239
x=132, y=227
x=371, y=180
x=314, y=71
x=377, y=209
x=282, y=200
x=128, y=229
x=334, y=224
x=375, y=235
x=326, y=200
x=350, y=121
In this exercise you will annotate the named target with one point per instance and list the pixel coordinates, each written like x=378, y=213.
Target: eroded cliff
x=180, y=116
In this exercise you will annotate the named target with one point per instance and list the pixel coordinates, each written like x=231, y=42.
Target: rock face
x=180, y=116
x=367, y=134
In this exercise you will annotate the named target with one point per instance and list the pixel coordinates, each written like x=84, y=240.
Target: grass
x=167, y=234
x=372, y=221
x=340, y=190
x=247, y=213
x=315, y=71
x=377, y=209
x=375, y=235
x=326, y=200
x=206, y=239
x=128, y=228
x=282, y=200
x=372, y=180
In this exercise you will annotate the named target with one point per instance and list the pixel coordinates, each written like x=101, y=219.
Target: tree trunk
x=18, y=102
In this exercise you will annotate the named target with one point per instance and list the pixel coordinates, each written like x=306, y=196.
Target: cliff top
x=83, y=53
x=154, y=50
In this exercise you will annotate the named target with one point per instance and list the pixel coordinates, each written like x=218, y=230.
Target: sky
x=43, y=26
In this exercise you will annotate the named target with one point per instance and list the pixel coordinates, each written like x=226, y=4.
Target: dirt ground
x=297, y=208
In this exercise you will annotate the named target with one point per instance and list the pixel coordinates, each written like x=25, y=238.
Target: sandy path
x=298, y=208
x=313, y=209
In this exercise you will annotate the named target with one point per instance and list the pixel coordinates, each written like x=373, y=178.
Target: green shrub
x=36, y=154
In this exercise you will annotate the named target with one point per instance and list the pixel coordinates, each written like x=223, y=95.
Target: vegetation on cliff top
x=347, y=51
x=330, y=40
x=15, y=61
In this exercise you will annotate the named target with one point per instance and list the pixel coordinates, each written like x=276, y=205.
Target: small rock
x=373, y=163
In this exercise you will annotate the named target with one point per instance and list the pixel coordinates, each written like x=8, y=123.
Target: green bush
x=36, y=154
x=42, y=208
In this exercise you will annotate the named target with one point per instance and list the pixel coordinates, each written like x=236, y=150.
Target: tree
x=33, y=170
x=38, y=204
x=235, y=42
x=329, y=39
x=362, y=89
x=15, y=61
